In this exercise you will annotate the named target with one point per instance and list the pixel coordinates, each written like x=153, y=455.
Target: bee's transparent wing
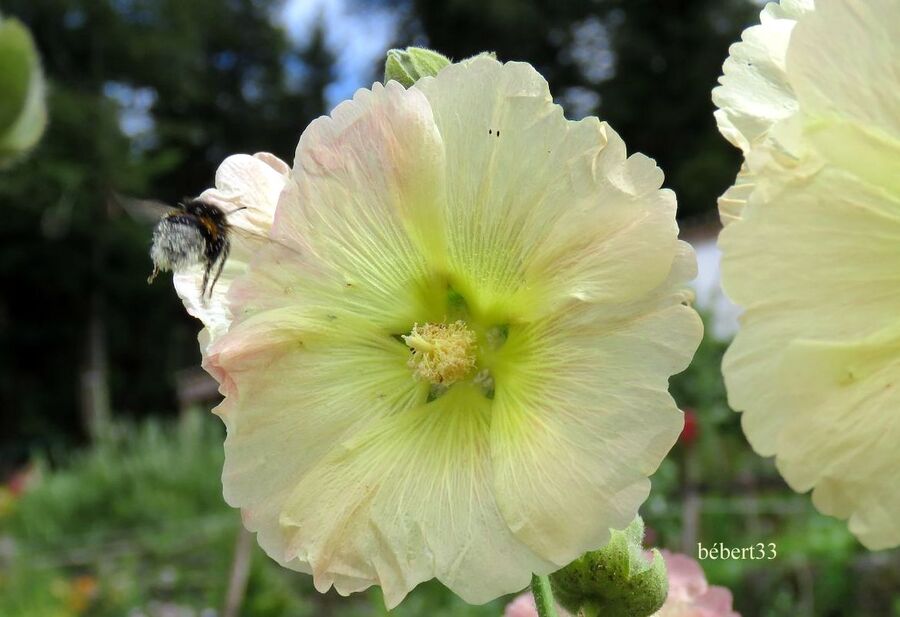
x=147, y=211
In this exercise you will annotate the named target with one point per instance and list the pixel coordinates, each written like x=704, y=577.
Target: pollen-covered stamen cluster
x=442, y=354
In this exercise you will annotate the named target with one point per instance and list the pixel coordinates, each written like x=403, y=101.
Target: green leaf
x=23, y=113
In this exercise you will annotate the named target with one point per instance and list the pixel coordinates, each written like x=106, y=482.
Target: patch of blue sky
x=134, y=104
x=358, y=37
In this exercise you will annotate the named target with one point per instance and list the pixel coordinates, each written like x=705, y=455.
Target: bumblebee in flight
x=196, y=233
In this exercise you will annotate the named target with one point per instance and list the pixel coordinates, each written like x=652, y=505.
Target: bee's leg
x=222, y=259
x=203, y=285
x=153, y=274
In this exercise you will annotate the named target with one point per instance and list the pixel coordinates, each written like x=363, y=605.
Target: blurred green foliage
x=129, y=482
x=141, y=515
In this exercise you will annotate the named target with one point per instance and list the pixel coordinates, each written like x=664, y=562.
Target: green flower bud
x=614, y=581
x=23, y=114
x=409, y=65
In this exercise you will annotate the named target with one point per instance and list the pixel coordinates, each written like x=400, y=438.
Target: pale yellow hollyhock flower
x=811, y=250
x=451, y=359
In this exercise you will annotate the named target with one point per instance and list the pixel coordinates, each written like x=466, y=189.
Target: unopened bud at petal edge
x=407, y=66
x=614, y=581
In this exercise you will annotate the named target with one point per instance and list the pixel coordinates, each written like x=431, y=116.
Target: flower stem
x=543, y=596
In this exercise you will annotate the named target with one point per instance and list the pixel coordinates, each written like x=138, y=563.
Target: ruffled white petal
x=540, y=209
x=295, y=386
x=755, y=91
x=409, y=499
x=825, y=271
x=842, y=436
x=850, y=103
x=732, y=202
x=587, y=416
x=843, y=63
x=354, y=233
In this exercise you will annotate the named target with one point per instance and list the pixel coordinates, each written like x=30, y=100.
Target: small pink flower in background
x=24, y=479
x=523, y=606
x=689, y=593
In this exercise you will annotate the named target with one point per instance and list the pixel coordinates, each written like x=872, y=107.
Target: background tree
x=146, y=98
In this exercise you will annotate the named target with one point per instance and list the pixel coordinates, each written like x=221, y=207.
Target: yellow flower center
x=441, y=353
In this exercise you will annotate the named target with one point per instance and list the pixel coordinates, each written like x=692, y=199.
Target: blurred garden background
x=110, y=498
